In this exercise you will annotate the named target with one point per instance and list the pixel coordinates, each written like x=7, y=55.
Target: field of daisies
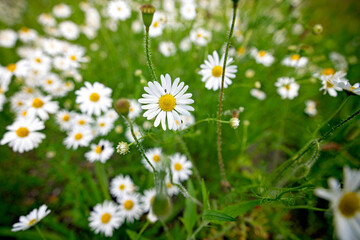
x=179, y=119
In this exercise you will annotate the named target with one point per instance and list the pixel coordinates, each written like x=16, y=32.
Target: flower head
x=31, y=219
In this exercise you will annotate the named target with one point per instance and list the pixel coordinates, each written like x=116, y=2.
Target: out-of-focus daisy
x=112, y=115
x=31, y=219
x=345, y=204
x=148, y=199
x=134, y=109
x=8, y=38
x=75, y=54
x=263, y=57
x=166, y=101
x=18, y=101
x=122, y=185
x=200, y=36
x=119, y=10
x=212, y=71
x=155, y=157
x=22, y=135
x=171, y=188
x=46, y=19
x=3, y=88
x=287, y=87
x=131, y=207
x=325, y=73
x=103, y=125
x=185, y=44
x=82, y=121
x=295, y=60
x=78, y=137
x=257, y=93
x=346, y=85
x=100, y=152
x=186, y=121
x=167, y=48
x=157, y=25
x=61, y=10
x=105, y=218
x=41, y=106
x=94, y=98
x=137, y=132
x=330, y=82
x=69, y=30
x=65, y=119
x=310, y=108
x=188, y=10
x=180, y=167
x=27, y=35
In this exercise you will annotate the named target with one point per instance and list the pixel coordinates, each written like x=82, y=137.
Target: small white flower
x=41, y=106
x=287, y=87
x=65, y=119
x=188, y=10
x=157, y=25
x=234, y=122
x=62, y=10
x=180, y=167
x=166, y=101
x=78, y=137
x=134, y=109
x=263, y=57
x=119, y=10
x=122, y=148
x=295, y=60
x=148, y=198
x=120, y=186
x=137, y=132
x=200, y=36
x=23, y=136
x=8, y=38
x=69, y=30
x=103, y=125
x=331, y=82
x=94, y=98
x=131, y=207
x=212, y=71
x=100, y=152
x=310, y=108
x=155, y=157
x=257, y=93
x=31, y=219
x=105, y=218
x=167, y=48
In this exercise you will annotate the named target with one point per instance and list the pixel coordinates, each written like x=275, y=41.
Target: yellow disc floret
x=11, y=67
x=105, y=218
x=78, y=136
x=98, y=149
x=177, y=166
x=262, y=53
x=122, y=187
x=349, y=204
x=295, y=57
x=37, y=103
x=128, y=205
x=156, y=158
x=167, y=102
x=22, y=132
x=31, y=222
x=217, y=71
x=328, y=71
x=94, y=97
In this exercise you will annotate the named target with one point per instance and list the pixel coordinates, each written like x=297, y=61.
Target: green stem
x=103, y=180
x=142, y=230
x=201, y=226
x=220, y=158
x=148, y=57
x=40, y=232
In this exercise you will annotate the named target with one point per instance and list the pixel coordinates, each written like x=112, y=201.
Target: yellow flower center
x=128, y=204
x=98, y=149
x=156, y=158
x=152, y=200
x=217, y=71
x=349, y=204
x=328, y=71
x=155, y=24
x=105, y=218
x=102, y=124
x=262, y=53
x=37, y=103
x=31, y=222
x=24, y=29
x=66, y=118
x=22, y=132
x=94, y=97
x=295, y=57
x=78, y=136
x=240, y=50
x=28, y=90
x=352, y=88
x=122, y=187
x=24, y=113
x=49, y=81
x=177, y=166
x=168, y=185
x=131, y=109
x=287, y=87
x=199, y=35
x=73, y=57
x=167, y=102
x=81, y=122
x=329, y=84
x=11, y=67
x=119, y=9
x=38, y=60
x=1, y=91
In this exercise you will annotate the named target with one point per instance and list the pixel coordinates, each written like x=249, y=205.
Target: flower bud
x=122, y=106
x=234, y=122
x=147, y=11
x=122, y=148
x=318, y=29
x=161, y=206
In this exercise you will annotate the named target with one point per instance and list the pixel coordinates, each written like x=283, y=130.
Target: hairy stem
x=147, y=52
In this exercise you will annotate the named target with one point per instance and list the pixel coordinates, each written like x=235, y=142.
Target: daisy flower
x=212, y=71
x=167, y=48
x=257, y=93
x=103, y=125
x=27, y=35
x=200, y=36
x=325, y=73
x=287, y=87
x=310, y=108
x=82, y=121
x=100, y=152
x=65, y=119
x=120, y=186
x=157, y=25
x=41, y=106
x=8, y=38
x=119, y=10
x=46, y=19
x=105, y=218
x=94, y=98
x=131, y=207
x=295, y=60
x=345, y=204
x=22, y=135
x=137, y=132
x=186, y=121
x=263, y=57
x=329, y=85
x=61, y=10
x=188, y=10
x=148, y=199
x=166, y=101
x=180, y=167
x=345, y=85
x=170, y=188
x=78, y=137
x=31, y=219
x=155, y=157
x=134, y=109
x=69, y=30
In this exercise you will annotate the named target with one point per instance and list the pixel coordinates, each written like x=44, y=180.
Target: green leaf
x=240, y=208
x=211, y=215
x=134, y=236
x=205, y=195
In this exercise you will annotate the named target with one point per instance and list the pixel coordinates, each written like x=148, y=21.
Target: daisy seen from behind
x=166, y=102
x=22, y=135
x=105, y=218
x=94, y=98
x=31, y=219
x=212, y=71
x=345, y=204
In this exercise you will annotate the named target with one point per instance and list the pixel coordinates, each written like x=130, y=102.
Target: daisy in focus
x=180, y=167
x=345, y=204
x=100, y=152
x=287, y=87
x=31, y=219
x=166, y=101
x=94, y=98
x=295, y=60
x=23, y=136
x=105, y=218
x=212, y=71
x=263, y=57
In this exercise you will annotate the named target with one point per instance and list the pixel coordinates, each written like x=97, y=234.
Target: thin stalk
x=220, y=158
x=102, y=178
x=40, y=232
x=148, y=57
x=142, y=230
x=201, y=226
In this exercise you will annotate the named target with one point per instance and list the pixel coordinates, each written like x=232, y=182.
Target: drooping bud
x=161, y=206
x=122, y=106
x=147, y=11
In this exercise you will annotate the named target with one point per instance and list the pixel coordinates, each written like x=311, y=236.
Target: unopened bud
x=147, y=11
x=234, y=123
x=161, y=206
x=119, y=129
x=122, y=106
x=122, y=148
x=318, y=29
x=257, y=84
